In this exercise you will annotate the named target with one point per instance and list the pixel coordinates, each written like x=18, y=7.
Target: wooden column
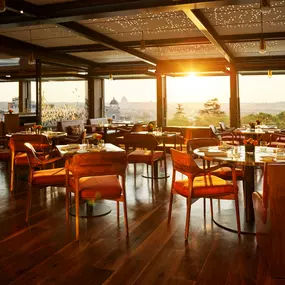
x=24, y=96
x=161, y=100
x=234, y=99
x=96, y=98
x=39, y=91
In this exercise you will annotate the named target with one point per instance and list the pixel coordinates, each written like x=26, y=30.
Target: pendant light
x=269, y=73
x=31, y=58
x=262, y=42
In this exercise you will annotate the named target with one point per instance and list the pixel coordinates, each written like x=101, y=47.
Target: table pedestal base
x=226, y=219
x=87, y=210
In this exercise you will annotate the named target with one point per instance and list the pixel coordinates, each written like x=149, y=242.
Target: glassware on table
x=279, y=151
x=236, y=153
x=263, y=146
x=101, y=144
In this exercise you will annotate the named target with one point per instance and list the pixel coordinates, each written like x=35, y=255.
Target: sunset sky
x=179, y=89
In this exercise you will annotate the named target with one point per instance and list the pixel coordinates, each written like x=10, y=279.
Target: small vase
x=249, y=148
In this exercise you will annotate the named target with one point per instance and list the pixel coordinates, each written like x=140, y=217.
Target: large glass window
x=9, y=97
x=262, y=98
x=131, y=100
x=62, y=100
x=197, y=100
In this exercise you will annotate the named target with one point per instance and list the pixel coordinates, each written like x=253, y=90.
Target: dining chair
x=95, y=176
x=269, y=213
x=225, y=136
x=200, y=183
x=142, y=148
x=38, y=176
x=223, y=172
x=18, y=151
x=223, y=127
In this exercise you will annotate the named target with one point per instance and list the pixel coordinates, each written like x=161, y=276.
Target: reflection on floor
x=45, y=251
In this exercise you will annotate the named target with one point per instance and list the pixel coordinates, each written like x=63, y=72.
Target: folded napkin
x=216, y=153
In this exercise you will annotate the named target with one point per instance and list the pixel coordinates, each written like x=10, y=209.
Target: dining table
x=237, y=155
x=88, y=209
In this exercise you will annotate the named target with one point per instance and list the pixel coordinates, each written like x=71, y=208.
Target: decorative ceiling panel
x=46, y=35
x=106, y=56
x=162, y=25
x=246, y=19
x=183, y=52
x=252, y=48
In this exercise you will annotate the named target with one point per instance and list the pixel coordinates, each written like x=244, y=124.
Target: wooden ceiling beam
x=251, y=37
x=109, y=42
x=203, y=24
x=20, y=48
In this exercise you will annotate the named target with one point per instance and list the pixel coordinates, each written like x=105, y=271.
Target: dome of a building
x=114, y=102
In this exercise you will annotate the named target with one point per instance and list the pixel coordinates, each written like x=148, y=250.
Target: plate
x=73, y=145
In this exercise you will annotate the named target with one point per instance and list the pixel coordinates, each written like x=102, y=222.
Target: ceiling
x=140, y=38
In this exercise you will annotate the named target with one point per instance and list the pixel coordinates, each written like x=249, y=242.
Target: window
x=63, y=100
x=197, y=100
x=262, y=98
x=131, y=100
x=9, y=97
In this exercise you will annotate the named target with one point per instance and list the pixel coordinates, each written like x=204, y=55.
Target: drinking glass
x=263, y=146
x=279, y=151
x=101, y=144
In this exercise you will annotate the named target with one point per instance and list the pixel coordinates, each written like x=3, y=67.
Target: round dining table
x=248, y=161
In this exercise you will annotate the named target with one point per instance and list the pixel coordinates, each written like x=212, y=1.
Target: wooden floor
x=45, y=251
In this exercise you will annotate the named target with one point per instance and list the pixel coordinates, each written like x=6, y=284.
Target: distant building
x=113, y=110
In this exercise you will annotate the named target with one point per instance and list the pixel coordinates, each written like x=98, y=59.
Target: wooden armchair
x=269, y=210
x=18, y=151
x=225, y=136
x=95, y=176
x=142, y=149
x=39, y=177
x=200, y=183
x=277, y=139
x=75, y=131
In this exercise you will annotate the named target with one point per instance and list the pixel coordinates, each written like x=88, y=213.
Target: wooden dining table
x=88, y=209
x=248, y=161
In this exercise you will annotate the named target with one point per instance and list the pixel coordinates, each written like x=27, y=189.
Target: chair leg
x=204, y=202
x=165, y=167
x=12, y=178
x=118, y=210
x=77, y=214
x=67, y=202
x=188, y=218
x=126, y=217
x=152, y=174
x=237, y=214
x=211, y=207
x=170, y=207
x=29, y=202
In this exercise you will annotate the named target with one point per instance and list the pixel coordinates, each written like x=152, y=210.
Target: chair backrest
x=147, y=141
x=184, y=162
x=32, y=155
x=39, y=142
x=136, y=128
x=97, y=164
x=215, y=132
x=202, y=142
x=271, y=230
x=223, y=126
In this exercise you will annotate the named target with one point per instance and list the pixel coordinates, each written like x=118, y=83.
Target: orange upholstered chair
x=18, y=150
x=41, y=178
x=144, y=151
x=95, y=176
x=200, y=183
x=269, y=210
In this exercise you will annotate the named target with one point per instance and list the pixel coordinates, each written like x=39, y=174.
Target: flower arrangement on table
x=10, y=111
x=110, y=121
x=97, y=138
x=252, y=125
x=37, y=128
x=250, y=144
x=150, y=127
x=258, y=122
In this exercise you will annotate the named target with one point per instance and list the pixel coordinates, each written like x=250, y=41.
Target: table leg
x=249, y=189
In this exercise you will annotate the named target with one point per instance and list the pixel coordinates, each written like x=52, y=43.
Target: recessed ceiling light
x=22, y=12
x=8, y=75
